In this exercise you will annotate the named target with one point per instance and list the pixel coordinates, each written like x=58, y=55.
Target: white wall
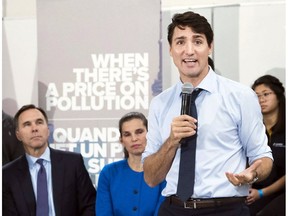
x=262, y=41
x=19, y=73
x=24, y=8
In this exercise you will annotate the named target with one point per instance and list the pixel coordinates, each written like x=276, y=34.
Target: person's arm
x=275, y=187
x=254, y=194
x=254, y=142
x=157, y=165
x=263, y=169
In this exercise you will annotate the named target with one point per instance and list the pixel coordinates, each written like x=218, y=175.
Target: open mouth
x=189, y=60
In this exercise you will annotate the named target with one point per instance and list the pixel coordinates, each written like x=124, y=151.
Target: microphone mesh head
x=187, y=88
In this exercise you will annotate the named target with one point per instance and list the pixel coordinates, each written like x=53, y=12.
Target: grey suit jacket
x=73, y=191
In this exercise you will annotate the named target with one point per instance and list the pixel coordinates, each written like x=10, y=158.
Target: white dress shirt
x=230, y=129
x=34, y=168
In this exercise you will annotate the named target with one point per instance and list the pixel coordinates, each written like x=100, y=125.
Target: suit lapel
x=26, y=185
x=58, y=170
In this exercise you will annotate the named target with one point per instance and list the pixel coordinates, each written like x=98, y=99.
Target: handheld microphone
x=187, y=89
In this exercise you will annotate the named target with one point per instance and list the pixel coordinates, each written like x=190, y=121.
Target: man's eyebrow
x=194, y=36
x=198, y=36
x=37, y=120
x=26, y=122
x=180, y=37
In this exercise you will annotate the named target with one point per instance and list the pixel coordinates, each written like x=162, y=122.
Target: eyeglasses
x=264, y=95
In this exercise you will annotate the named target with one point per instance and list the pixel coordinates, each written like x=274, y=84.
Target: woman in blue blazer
x=121, y=189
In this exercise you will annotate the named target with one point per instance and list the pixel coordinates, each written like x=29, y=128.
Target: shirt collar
x=32, y=160
x=208, y=83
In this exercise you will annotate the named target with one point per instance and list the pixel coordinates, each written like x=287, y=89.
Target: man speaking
x=203, y=155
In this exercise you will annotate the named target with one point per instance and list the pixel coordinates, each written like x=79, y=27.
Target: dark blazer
x=73, y=191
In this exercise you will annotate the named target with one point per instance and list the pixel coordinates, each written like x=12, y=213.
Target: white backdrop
x=97, y=60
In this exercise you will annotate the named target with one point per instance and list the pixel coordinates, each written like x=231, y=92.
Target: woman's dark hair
x=24, y=108
x=127, y=117
x=277, y=87
x=195, y=21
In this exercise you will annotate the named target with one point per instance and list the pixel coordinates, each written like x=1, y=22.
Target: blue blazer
x=73, y=191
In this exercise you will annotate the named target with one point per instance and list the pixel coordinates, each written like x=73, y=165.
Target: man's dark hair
x=195, y=21
x=211, y=63
x=27, y=107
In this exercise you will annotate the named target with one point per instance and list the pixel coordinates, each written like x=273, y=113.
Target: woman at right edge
x=268, y=197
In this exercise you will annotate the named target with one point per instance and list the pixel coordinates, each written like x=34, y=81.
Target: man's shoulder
x=166, y=95
x=229, y=81
x=14, y=165
x=230, y=85
x=64, y=153
x=170, y=90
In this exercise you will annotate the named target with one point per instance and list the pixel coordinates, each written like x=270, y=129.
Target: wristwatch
x=254, y=179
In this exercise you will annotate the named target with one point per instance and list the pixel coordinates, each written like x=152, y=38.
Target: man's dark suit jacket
x=73, y=191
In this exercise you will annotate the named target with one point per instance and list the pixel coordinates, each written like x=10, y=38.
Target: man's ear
x=48, y=131
x=18, y=135
x=211, y=48
x=170, y=52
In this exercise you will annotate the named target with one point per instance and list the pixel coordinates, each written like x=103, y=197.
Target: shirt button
x=135, y=191
x=134, y=208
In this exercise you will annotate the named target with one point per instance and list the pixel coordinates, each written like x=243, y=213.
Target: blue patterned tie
x=42, y=208
x=187, y=159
